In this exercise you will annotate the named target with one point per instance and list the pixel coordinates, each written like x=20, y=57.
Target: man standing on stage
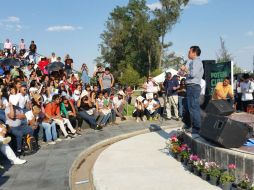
x=194, y=72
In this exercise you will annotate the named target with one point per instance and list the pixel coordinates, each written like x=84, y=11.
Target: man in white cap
x=119, y=103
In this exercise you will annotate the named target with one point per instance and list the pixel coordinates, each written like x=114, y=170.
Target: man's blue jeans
x=19, y=132
x=192, y=95
x=180, y=106
x=50, y=131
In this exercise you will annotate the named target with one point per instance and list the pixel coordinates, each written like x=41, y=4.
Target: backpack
x=30, y=145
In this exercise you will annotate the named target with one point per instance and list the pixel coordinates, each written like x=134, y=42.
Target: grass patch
x=128, y=109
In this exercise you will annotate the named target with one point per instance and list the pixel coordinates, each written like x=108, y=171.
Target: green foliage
x=133, y=32
x=130, y=76
x=226, y=177
x=129, y=109
x=156, y=72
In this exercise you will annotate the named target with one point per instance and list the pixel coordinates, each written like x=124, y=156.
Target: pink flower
x=232, y=166
x=194, y=157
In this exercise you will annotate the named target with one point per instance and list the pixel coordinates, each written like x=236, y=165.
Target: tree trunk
x=149, y=61
x=161, y=51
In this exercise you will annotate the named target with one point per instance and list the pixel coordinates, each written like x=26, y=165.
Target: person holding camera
x=84, y=77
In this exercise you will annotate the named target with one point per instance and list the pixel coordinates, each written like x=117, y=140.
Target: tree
x=133, y=32
x=130, y=76
x=223, y=55
x=166, y=18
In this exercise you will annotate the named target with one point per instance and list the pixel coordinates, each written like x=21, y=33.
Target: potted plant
x=198, y=166
x=228, y=177
x=184, y=154
x=205, y=171
x=193, y=158
x=173, y=145
x=214, y=173
x=244, y=183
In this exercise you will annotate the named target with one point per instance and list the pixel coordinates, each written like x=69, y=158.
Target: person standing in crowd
x=223, y=90
x=7, y=47
x=85, y=78
x=194, y=72
x=247, y=88
x=68, y=64
x=129, y=92
x=53, y=58
x=171, y=85
x=181, y=97
x=98, y=73
x=22, y=47
x=148, y=85
x=106, y=81
x=33, y=49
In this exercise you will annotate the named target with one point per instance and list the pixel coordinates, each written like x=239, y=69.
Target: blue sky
x=74, y=27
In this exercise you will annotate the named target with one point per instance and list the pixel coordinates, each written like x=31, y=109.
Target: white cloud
x=153, y=6
x=250, y=33
x=63, y=28
x=11, y=23
x=12, y=19
x=198, y=2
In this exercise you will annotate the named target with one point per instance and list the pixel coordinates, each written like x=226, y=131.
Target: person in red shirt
x=52, y=112
x=42, y=64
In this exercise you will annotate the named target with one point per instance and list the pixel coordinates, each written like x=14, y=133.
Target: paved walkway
x=142, y=163
x=48, y=169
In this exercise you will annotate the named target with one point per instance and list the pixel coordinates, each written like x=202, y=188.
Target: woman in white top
x=150, y=86
x=247, y=88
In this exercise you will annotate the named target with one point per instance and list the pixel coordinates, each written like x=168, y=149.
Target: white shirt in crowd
x=117, y=102
x=7, y=45
x=151, y=105
x=29, y=115
x=22, y=100
x=203, y=86
x=247, y=89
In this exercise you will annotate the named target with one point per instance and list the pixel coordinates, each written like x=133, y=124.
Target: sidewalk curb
x=81, y=158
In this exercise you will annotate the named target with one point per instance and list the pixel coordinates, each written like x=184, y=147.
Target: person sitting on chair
x=223, y=90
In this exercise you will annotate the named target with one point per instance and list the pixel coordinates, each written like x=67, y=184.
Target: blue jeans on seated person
x=50, y=131
x=89, y=118
x=19, y=132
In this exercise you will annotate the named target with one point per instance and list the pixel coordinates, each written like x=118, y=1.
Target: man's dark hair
x=55, y=97
x=196, y=49
x=107, y=69
x=246, y=76
x=227, y=78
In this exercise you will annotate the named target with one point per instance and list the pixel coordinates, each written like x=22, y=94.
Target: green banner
x=214, y=73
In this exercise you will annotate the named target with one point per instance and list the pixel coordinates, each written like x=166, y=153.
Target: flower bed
x=210, y=171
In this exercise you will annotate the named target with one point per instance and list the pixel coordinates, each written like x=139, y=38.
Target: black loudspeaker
x=219, y=107
x=224, y=131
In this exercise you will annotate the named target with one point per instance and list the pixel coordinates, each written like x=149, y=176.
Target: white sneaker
x=58, y=140
x=137, y=120
x=18, y=161
x=52, y=142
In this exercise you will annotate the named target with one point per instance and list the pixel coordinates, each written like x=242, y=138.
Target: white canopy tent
x=160, y=78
